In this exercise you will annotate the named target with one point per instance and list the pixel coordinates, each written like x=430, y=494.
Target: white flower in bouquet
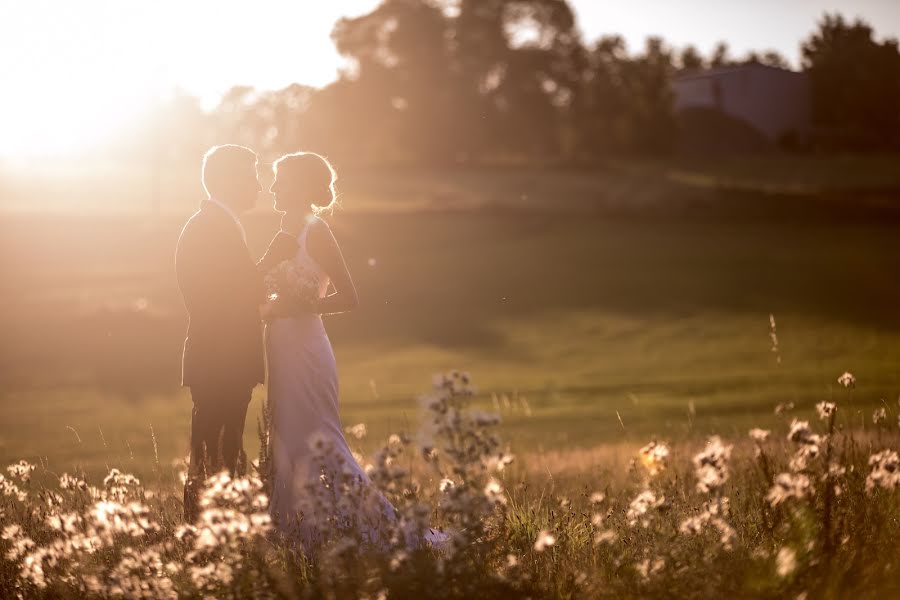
x=292, y=281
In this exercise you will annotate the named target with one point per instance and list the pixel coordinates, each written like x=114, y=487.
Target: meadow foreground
x=806, y=509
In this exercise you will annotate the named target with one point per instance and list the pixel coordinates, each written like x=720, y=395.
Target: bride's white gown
x=303, y=395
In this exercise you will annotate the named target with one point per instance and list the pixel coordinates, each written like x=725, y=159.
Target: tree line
x=438, y=82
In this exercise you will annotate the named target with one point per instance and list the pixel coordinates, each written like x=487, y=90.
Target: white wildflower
x=493, y=491
x=21, y=470
x=759, y=435
x=784, y=407
x=787, y=486
x=711, y=465
x=654, y=457
x=638, y=510
x=647, y=568
x=358, y=431
x=885, y=471
x=608, y=536
x=785, y=562
x=826, y=410
x=545, y=539
x=847, y=380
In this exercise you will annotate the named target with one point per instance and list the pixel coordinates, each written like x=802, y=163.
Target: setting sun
x=75, y=73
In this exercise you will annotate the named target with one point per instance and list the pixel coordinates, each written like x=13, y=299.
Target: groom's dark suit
x=223, y=353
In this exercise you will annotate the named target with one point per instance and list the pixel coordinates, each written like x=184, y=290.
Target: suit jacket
x=222, y=290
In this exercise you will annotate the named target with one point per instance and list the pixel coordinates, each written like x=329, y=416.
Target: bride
x=302, y=373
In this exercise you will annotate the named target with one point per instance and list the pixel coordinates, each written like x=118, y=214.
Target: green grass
x=612, y=329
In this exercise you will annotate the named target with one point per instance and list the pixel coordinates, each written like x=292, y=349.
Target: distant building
x=775, y=102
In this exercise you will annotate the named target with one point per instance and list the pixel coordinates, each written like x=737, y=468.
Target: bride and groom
x=226, y=296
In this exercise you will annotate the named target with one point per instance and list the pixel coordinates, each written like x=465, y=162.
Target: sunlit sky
x=74, y=71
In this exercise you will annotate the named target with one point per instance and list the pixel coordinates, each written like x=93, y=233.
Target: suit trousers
x=217, y=432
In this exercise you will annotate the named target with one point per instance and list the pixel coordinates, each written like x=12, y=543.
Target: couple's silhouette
x=226, y=298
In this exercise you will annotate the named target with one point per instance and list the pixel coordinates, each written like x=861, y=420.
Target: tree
x=628, y=101
x=720, y=56
x=401, y=71
x=602, y=109
x=523, y=59
x=690, y=59
x=650, y=92
x=855, y=85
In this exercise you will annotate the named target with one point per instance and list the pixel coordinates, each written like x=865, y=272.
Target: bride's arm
x=325, y=251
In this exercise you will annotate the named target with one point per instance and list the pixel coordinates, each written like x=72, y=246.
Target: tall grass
x=809, y=509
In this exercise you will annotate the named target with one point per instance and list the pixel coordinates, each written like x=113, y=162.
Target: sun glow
x=75, y=74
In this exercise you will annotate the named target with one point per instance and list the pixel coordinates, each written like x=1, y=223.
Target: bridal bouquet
x=292, y=283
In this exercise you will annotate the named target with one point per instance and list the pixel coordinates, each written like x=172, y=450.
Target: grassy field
x=586, y=327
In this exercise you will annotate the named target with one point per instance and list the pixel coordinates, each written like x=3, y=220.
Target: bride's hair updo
x=315, y=177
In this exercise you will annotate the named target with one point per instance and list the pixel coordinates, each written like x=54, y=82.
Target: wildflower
x=8, y=488
x=800, y=432
x=21, y=544
x=117, y=478
x=398, y=560
x=847, y=380
x=784, y=407
x=646, y=567
x=885, y=471
x=654, y=457
x=800, y=460
x=879, y=416
x=358, y=431
x=808, y=442
x=605, y=537
x=66, y=523
x=545, y=539
x=785, y=562
x=640, y=507
x=787, y=486
x=711, y=515
x=493, y=491
x=759, y=435
x=120, y=486
x=826, y=410
x=211, y=575
x=68, y=482
x=711, y=465
x=498, y=462
x=597, y=497
x=21, y=470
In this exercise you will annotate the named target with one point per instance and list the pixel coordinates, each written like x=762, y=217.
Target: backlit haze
x=74, y=73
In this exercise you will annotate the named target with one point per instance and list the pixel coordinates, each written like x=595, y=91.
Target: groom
x=222, y=291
